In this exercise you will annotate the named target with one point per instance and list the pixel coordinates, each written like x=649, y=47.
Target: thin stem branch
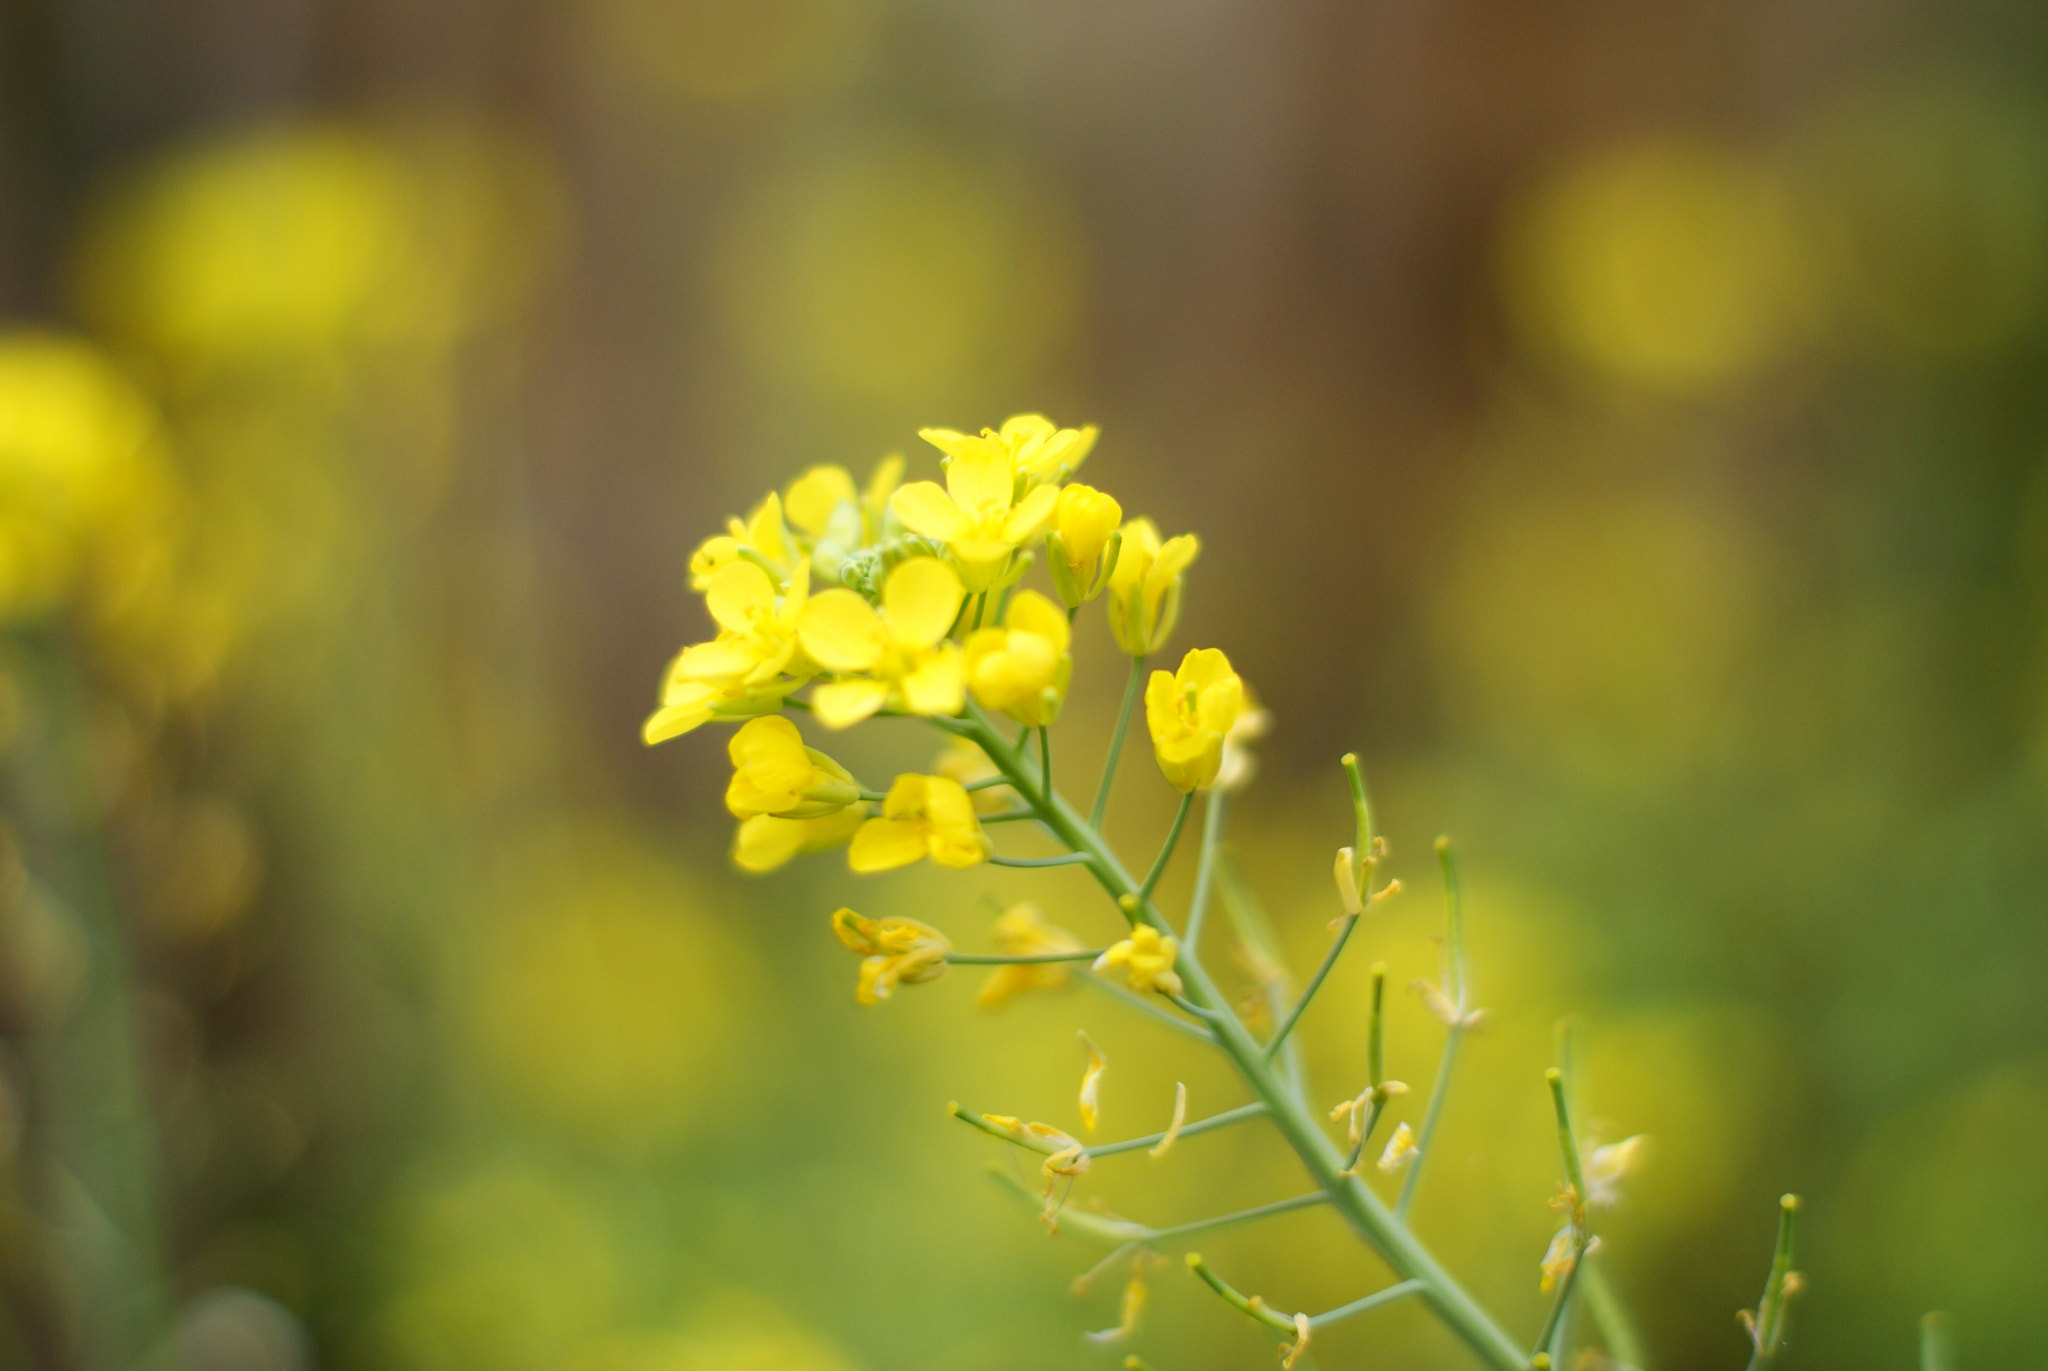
x=1008, y=816
x=1139, y=1002
x=1064, y=859
x=1439, y=1091
x=1180, y=819
x=1116, y=743
x=1315, y=983
x=1044, y=759
x=1205, y=868
x=1611, y=1318
x=1259, y=1211
x=1228, y=1117
x=1375, y=1300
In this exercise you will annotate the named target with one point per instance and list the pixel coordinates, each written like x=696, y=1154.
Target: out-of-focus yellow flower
x=1082, y=548
x=1022, y=668
x=899, y=655
x=1607, y=1167
x=894, y=952
x=1144, y=589
x=814, y=496
x=923, y=816
x=1240, y=763
x=1022, y=931
x=977, y=514
x=1091, y=1084
x=768, y=841
x=1131, y=1309
x=962, y=761
x=1146, y=959
x=1189, y=712
x=687, y=704
x=1400, y=1149
x=774, y=773
x=762, y=536
x=1038, y=451
x=1560, y=1256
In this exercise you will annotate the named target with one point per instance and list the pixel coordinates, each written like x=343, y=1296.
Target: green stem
x=1610, y=1316
x=1261, y=1211
x=1205, y=869
x=1937, y=1348
x=1252, y=1309
x=1044, y=760
x=1187, y=1130
x=1116, y=742
x=1180, y=819
x=1064, y=859
x=1362, y=1209
x=1373, y=1301
x=1145, y=1006
x=1315, y=983
x=1439, y=1091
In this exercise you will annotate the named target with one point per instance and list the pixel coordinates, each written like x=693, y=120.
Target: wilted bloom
x=1144, y=590
x=1065, y=1157
x=1035, y=449
x=1091, y=1084
x=1146, y=958
x=1022, y=931
x=757, y=627
x=894, y=952
x=1022, y=668
x=977, y=514
x=898, y=655
x=1084, y=521
x=1188, y=713
x=767, y=841
x=1400, y=1149
x=774, y=773
x=1240, y=763
x=1347, y=882
x=1560, y=1256
x=1136, y=1295
x=1606, y=1167
x=923, y=816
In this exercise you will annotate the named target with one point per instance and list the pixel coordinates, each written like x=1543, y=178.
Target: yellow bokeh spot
x=1669, y=266
x=898, y=271
x=605, y=997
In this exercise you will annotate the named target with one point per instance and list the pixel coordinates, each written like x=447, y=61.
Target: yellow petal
x=815, y=494
x=673, y=721
x=737, y=593
x=1033, y=613
x=1175, y=556
x=721, y=660
x=842, y=704
x=925, y=507
x=1019, y=429
x=951, y=441
x=922, y=598
x=840, y=631
x=765, y=842
x=885, y=844
x=980, y=479
x=938, y=686
x=888, y=474
x=1031, y=515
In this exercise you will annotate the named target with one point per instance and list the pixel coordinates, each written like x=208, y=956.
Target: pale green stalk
x=1455, y=992
x=1205, y=870
x=1116, y=742
x=1361, y=1208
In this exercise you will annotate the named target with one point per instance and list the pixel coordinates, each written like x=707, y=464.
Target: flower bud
x=1084, y=543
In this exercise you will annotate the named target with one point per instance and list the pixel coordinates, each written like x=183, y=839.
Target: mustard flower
x=1146, y=959
x=1559, y=1257
x=1083, y=547
x=1144, y=588
x=893, y=952
x=762, y=536
x=688, y=701
x=757, y=627
x=1037, y=451
x=963, y=761
x=1400, y=1150
x=1022, y=668
x=774, y=773
x=1189, y=712
x=898, y=655
x=1022, y=931
x=923, y=816
x=977, y=514
x=767, y=841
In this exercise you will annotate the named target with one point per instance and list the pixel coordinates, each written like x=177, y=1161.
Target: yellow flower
x=1189, y=712
x=1560, y=1256
x=757, y=627
x=923, y=816
x=1036, y=450
x=962, y=761
x=763, y=533
x=1022, y=931
x=898, y=655
x=815, y=496
x=1144, y=589
x=894, y=952
x=1146, y=958
x=687, y=703
x=767, y=841
x=774, y=773
x=977, y=514
x=1240, y=763
x=1022, y=668
x=1082, y=549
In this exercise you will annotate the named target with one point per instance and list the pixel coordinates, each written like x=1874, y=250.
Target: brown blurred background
x=1624, y=425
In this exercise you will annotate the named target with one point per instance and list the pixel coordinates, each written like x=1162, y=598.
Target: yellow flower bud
x=1188, y=714
x=1022, y=668
x=1146, y=959
x=1144, y=588
x=894, y=952
x=1085, y=526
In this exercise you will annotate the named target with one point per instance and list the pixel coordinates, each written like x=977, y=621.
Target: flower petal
x=842, y=704
x=1031, y=515
x=925, y=507
x=885, y=844
x=840, y=631
x=981, y=479
x=738, y=592
x=815, y=494
x=765, y=842
x=938, y=686
x=922, y=598
x=1030, y=612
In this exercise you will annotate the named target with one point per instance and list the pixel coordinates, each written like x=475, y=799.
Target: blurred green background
x=1624, y=425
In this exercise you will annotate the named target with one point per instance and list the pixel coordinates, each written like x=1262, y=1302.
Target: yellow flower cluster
x=904, y=599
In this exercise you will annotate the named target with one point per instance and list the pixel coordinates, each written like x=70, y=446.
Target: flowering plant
x=908, y=600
